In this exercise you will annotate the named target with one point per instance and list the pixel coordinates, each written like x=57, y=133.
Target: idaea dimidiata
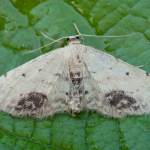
x=72, y=79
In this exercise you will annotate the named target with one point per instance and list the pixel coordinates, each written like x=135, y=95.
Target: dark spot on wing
x=127, y=73
x=77, y=56
x=116, y=58
x=32, y=102
x=21, y=94
x=71, y=74
x=57, y=74
x=120, y=100
x=78, y=73
x=136, y=107
x=67, y=79
x=80, y=90
x=67, y=93
x=79, y=80
x=23, y=74
x=147, y=73
x=86, y=92
x=40, y=69
x=80, y=98
x=110, y=68
x=5, y=74
x=9, y=108
x=93, y=72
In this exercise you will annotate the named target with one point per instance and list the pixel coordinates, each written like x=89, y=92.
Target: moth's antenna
x=62, y=44
x=105, y=36
x=48, y=44
x=58, y=40
x=79, y=32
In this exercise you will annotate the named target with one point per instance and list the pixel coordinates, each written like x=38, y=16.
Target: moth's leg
x=140, y=66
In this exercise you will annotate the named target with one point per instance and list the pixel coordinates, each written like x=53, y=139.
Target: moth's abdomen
x=76, y=75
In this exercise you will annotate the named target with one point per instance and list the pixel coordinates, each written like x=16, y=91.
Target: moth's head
x=73, y=40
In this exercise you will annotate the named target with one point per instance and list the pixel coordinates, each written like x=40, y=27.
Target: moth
x=72, y=79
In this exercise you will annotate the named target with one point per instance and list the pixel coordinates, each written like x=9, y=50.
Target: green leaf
x=20, y=27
